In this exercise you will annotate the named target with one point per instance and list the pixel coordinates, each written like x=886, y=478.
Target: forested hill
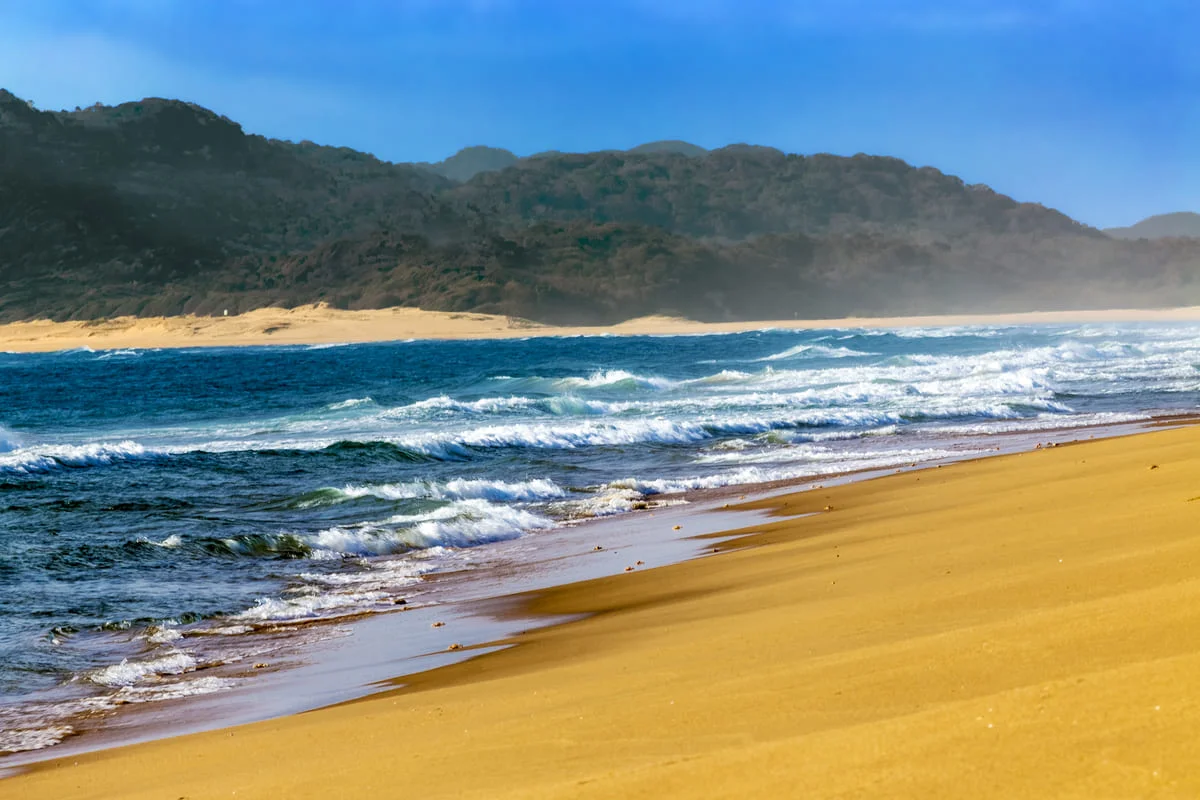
x=163, y=207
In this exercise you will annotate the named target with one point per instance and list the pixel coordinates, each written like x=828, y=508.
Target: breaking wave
x=47, y=458
x=815, y=351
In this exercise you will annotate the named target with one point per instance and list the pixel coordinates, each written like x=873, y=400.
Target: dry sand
x=1021, y=626
x=324, y=325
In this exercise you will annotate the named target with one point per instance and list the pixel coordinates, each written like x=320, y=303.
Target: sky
x=1088, y=106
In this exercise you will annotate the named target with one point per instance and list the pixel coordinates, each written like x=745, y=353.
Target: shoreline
x=321, y=325
x=298, y=666
x=632, y=616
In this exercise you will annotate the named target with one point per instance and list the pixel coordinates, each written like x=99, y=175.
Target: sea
x=164, y=513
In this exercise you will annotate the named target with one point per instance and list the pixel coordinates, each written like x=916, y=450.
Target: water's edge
x=372, y=653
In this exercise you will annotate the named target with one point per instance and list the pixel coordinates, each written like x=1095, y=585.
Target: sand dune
x=1024, y=626
x=322, y=325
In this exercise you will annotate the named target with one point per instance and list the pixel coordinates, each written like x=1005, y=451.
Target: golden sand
x=1021, y=626
x=323, y=325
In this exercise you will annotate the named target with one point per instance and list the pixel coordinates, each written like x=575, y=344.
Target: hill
x=162, y=207
x=470, y=161
x=1161, y=226
x=669, y=146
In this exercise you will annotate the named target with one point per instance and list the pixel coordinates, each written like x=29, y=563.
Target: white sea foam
x=16, y=738
x=616, y=377
x=815, y=351
x=128, y=673
x=47, y=457
x=309, y=606
x=174, y=691
x=162, y=635
x=353, y=402
x=464, y=523
x=754, y=474
x=460, y=489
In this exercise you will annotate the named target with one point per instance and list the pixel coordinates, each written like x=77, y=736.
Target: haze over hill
x=161, y=207
x=1160, y=226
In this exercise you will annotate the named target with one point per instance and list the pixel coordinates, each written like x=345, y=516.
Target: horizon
x=1084, y=108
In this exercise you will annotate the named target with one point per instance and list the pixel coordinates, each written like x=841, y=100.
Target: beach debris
x=399, y=601
x=829, y=508
x=455, y=646
x=597, y=547
x=261, y=665
x=629, y=569
x=639, y=563
x=438, y=625
x=1154, y=466
x=677, y=527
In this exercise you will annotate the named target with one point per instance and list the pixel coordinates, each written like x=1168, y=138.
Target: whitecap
x=353, y=402
x=815, y=351
x=460, y=489
x=47, y=457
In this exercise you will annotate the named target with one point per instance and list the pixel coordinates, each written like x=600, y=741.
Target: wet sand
x=1018, y=626
x=323, y=325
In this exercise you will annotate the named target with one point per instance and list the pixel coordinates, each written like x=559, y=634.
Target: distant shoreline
x=319, y=324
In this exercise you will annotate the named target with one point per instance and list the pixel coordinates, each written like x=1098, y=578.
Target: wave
x=754, y=475
x=309, y=606
x=660, y=430
x=353, y=402
x=107, y=354
x=460, y=523
x=465, y=523
x=458, y=489
x=837, y=407
x=616, y=378
x=127, y=673
x=353, y=449
x=606, y=380
x=37, y=725
x=47, y=458
x=815, y=351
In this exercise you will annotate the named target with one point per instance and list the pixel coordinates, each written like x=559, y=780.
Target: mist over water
x=163, y=512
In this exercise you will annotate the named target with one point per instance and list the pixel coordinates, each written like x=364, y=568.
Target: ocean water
x=164, y=513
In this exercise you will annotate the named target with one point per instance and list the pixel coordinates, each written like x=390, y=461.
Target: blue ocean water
x=163, y=512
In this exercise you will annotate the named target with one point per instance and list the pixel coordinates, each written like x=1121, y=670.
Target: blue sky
x=1089, y=106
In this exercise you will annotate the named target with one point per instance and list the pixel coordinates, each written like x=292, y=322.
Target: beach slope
x=1022, y=626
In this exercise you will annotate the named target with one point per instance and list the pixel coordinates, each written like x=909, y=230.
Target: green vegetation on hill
x=162, y=207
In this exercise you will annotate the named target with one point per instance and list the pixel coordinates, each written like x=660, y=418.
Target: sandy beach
x=324, y=325
x=1019, y=626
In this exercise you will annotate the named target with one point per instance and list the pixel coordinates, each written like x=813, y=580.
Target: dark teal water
x=162, y=512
